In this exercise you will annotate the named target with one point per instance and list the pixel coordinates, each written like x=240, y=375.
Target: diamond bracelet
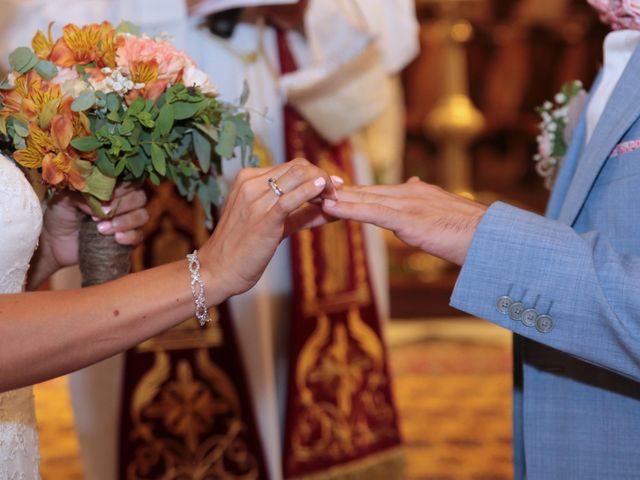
x=197, y=289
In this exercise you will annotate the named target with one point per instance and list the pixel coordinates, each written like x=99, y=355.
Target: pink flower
x=192, y=76
x=620, y=14
x=158, y=54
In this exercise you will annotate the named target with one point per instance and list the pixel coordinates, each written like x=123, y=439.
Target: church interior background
x=452, y=374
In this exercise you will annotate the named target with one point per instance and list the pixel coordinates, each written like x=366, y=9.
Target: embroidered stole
x=341, y=420
x=186, y=412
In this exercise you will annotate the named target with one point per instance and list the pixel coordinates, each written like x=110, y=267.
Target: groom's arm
x=589, y=292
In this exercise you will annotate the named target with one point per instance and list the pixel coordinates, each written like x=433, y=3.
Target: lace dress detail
x=20, y=224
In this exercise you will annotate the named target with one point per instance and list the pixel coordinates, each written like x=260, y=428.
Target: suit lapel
x=621, y=112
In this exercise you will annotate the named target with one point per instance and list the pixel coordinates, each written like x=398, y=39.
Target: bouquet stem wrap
x=101, y=258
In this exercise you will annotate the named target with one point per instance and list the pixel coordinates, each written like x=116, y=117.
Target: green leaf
x=104, y=163
x=114, y=116
x=146, y=119
x=128, y=27
x=86, y=144
x=6, y=85
x=155, y=179
x=158, y=159
x=100, y=185
x=209, y=130
x=46, y=70
x=85, y=101
x=22, y=59
x=120, y=166
x=48, y=112
x=136, y=107
x=227, y=139
x=113, y=102
x=202, y=146
x=126, y=127
x=165, y=119
x=136, y=165
x=245, y=94
x=184, y=110
x=21, y=128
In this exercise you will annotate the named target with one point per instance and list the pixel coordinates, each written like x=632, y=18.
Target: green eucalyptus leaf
x=46, y=69
x=113, y=102
x=6, y=85
x=158, y=159
x=202, y=146
x=22, y=59
x=209, y=130
x=84, y=101
x=128, y=27
x=86, y=144
x=20, y=128
x=227, y=141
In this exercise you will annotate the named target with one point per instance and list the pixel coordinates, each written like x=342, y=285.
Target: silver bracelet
x=197, y=289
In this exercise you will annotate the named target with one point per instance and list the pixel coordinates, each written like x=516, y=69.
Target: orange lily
x=42, y=45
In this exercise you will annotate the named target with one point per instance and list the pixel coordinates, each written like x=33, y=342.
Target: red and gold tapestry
x=341, y=418
x=186, y=412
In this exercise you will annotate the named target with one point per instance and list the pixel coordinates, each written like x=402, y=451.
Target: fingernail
x=104, y=227
x=119, y=236
x=337, y=180
x=320, y=182
x=94, y=218
x=107, y=209
x=329, y=203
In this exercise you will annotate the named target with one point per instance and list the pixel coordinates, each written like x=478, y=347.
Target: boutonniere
x=553, y=138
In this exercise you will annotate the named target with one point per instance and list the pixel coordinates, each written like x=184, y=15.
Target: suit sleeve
x=585, y=294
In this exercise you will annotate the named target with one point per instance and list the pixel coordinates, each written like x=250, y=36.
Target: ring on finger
x=275, y=187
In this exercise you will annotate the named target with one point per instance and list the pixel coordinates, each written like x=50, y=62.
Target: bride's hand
x=60, y=224
x=255, y=220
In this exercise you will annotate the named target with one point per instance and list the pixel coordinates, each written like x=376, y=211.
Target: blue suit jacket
x=577, y=371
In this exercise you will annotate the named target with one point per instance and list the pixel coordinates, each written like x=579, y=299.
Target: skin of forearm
x=47, y=334
x=43, y=265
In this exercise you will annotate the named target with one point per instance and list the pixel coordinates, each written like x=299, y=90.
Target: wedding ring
x=275, y=187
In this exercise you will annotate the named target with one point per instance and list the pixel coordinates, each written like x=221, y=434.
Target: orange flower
x=30, y=95
x=39, y=144
x=42, y=45
x=60, y=170
x=83, y=45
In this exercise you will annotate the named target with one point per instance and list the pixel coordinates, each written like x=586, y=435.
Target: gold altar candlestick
x=454, y=121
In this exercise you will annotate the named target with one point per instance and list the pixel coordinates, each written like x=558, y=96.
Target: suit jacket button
x=544, y=324
x=529, y=317
x=503, y=304
x=515, y=310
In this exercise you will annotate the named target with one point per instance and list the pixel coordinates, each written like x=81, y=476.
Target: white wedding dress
x=20, y=224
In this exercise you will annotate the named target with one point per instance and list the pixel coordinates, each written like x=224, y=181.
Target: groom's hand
x=422, y=215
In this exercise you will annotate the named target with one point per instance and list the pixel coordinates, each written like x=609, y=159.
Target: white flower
x=547, y=105
x=560, y=98
x=194, y=77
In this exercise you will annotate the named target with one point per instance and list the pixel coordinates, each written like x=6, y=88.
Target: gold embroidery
x=335, y=251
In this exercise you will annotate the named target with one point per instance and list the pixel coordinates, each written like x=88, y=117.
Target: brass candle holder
x=454, y=121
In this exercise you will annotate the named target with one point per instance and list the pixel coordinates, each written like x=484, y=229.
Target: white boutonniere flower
x=553, y=139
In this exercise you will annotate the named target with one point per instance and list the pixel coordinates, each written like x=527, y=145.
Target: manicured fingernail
x=94, y=218
x=320, y=182
x=119, y=236
x=104, y=227
x=337, y=180
x=107, y=209
x=329, y=203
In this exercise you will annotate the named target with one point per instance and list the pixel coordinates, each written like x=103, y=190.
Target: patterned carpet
x=453, y=387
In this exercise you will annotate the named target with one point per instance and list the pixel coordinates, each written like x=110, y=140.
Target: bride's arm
x=45, y=334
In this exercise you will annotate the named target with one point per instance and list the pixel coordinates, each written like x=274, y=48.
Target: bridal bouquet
x=102, y=104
